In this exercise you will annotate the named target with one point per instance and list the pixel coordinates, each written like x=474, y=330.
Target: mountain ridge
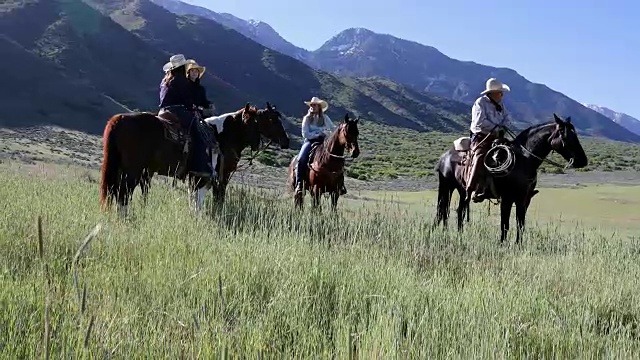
x=625, y=120
x=355, y=52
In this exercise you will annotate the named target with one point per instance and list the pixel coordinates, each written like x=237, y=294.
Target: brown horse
x=138, y=145
x=529, y=150
x=326, y=164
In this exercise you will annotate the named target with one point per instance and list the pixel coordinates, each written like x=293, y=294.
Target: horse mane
x=525, y=134
x=324, y=149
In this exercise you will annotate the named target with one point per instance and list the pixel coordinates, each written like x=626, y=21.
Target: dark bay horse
x=138, y=145
x=530, y=148
x=267, y=125
x=326, y=169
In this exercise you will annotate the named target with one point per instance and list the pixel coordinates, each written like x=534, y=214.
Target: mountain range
x=90, y=59
x=359, y=52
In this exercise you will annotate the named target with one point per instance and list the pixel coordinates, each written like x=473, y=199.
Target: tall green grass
x=257, y=278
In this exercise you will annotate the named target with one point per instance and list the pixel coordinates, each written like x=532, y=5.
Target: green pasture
x=257, y=279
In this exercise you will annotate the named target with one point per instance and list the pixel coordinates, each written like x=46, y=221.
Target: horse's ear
x=246, y=107
x=269, y=106
x=557, y=119
x=568, y=119
x=357, y=119
x=346, y=117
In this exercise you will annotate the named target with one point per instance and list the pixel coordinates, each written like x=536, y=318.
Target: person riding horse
x=194, y=74
x=314, y=125
x=489, y=118
x=176, y=97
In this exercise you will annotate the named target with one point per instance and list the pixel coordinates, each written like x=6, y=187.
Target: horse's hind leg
x=125, y=190
x=463, y=209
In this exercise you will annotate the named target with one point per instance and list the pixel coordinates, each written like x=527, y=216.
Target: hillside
x=630, y=123
x=77, y=40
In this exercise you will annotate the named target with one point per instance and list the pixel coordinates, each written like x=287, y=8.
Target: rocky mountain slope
x=92, y=55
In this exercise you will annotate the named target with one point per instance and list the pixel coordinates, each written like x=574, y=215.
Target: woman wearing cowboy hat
x=314, y=125
x=194, y=74
x=176, y=98
x=489, y=118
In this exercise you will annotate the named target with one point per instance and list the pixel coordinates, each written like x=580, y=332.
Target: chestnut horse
x=234, y=134
x=138, y=145
x=326, y=164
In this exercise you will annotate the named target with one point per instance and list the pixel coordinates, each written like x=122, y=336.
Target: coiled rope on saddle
x=500, y=160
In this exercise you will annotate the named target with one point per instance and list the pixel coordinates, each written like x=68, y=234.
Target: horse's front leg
x=505, y=216
x=521, y=213
x=315, y=197
x=197, y=193
x=145, y=184
x=335, y=195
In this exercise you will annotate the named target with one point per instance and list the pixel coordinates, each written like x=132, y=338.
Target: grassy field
x=256, y=278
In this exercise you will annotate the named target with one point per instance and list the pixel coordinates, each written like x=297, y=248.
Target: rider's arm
x=507, y=120
x=328, y=124
x=306, y=128
x=205, y=101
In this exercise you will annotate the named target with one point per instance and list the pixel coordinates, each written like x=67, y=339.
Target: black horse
x=530, y=149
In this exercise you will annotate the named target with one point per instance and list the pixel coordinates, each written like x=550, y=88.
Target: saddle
x=496, y=157
x=312, y=154
x=173, y=129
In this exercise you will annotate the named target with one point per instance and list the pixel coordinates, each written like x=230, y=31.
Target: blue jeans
x=303, y=160
x=198, y=158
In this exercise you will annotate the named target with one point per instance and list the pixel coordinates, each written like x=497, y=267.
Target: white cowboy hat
x=323, y=104
x=192, y=64
x=494, y=84
x=174, y=62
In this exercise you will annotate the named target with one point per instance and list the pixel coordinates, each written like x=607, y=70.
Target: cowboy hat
x=174, y=62
x=192, y=64
x=314, y=100
x=494, y=84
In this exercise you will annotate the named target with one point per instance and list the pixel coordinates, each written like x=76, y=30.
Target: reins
x=564, y=167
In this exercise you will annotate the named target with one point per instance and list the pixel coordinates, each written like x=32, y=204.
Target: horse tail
x=444, y=198
x=110, y=162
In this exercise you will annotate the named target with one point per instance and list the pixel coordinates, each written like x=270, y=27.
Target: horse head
x=564, y=141
x=270, y=126
x=250, y=123
x=349, y=135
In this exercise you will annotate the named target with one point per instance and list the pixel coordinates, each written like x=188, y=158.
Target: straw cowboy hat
x=314, y=100
x=192, y=64
x=494, y=84
x=174, y=62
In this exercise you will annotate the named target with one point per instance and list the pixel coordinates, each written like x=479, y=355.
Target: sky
x=588, y=50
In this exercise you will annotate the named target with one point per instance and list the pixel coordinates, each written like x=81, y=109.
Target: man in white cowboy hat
x=489, y=118
x=194, y=74
x=176, y=97
x=314, y=125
